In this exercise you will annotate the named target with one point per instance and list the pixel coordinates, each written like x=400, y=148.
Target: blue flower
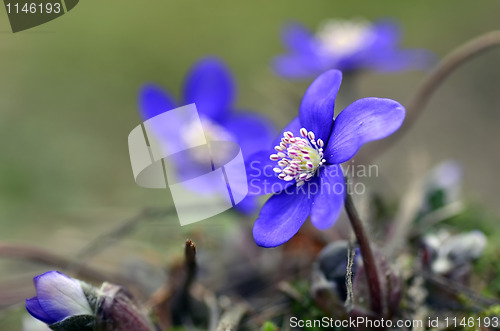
x=304, y=169
x=210, y=85
x=347, y=45
x=58, y=297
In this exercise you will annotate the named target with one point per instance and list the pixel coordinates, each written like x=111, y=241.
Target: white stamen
x=298, y=157
x=344, y=37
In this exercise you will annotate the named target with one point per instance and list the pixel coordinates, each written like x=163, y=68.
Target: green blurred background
x=68, y=99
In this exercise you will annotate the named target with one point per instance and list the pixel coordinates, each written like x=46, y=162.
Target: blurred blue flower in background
x=347, y=45
x=58, y=297
x=210, y=85
x=304, y=168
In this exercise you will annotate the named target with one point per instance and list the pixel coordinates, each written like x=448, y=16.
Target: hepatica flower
x=347, y=45
x=58, y=297
x=68, y=304
x=209, y=85
x=303, y=169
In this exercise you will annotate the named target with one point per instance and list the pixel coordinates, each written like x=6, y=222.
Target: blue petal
x=282, y=216
x=33, y=307
x=253, y=132
x=193, y=163
x=210, y=85
x=260, y=175
x=186, y=170
x=299, y=39
x=329, y=200
x=397, y=60
x=153, y=100
x=60, y=296
x=294, y=127
x=387, y=34
x=296, y=66
x=363, y=121
x=248, y=205
x=384, y=54
x=316, y=109
x=304, y=60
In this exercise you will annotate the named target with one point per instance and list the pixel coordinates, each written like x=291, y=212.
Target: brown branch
x=430, y=84
x=457, y=289
x=182, y=298
x=40, y=255
x=124, y=228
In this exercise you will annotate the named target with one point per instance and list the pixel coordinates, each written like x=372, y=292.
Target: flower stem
x=367, y=255
x=429, y=85
x=181, y=303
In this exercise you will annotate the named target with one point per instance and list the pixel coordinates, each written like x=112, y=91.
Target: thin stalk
x=39, y=255
x=367, y=255
x=181, y=304
x=430, y=84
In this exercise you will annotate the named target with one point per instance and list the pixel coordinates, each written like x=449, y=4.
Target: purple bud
x=118, y=311
x=58, y=297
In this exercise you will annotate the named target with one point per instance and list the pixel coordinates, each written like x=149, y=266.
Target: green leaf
x=269, y=326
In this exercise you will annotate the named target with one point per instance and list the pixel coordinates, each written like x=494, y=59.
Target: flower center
x=344, y=37
x=211, y=132
x=298, y=157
